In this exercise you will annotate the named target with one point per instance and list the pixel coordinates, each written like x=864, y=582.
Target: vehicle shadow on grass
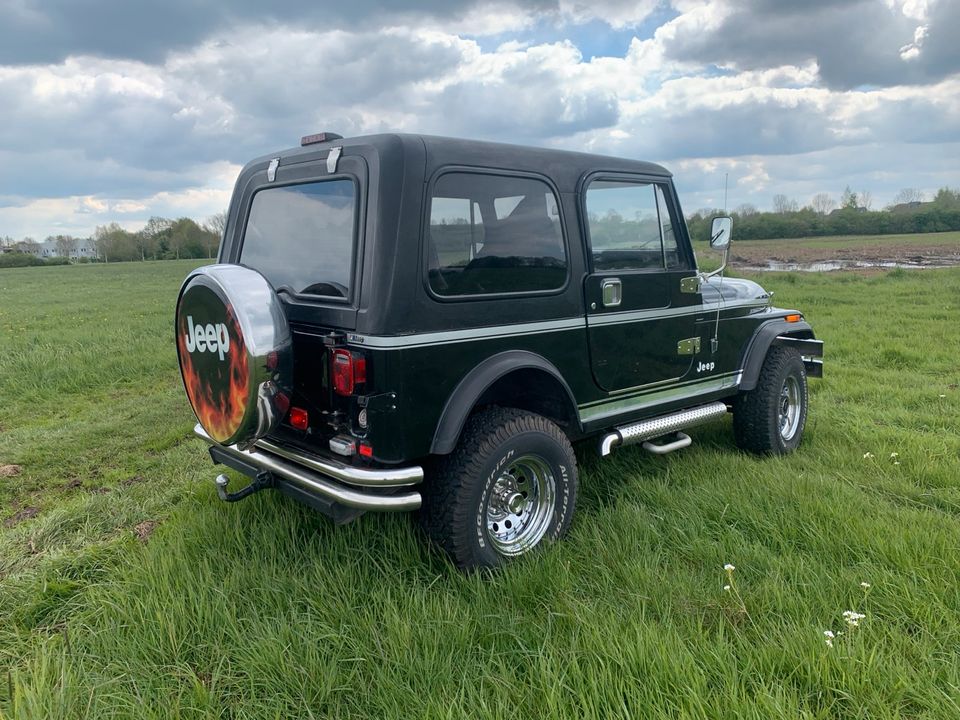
x=286, y=532
x=274, y=531
x=627, y=469
x=393, y=546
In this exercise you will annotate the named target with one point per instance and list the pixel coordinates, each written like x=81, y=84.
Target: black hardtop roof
x=565, y=166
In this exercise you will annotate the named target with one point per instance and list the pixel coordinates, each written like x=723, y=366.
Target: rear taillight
x=299, y=418
x=347, y=370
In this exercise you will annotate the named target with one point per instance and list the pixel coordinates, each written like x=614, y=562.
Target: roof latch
x=332, y=158
x=272, y=169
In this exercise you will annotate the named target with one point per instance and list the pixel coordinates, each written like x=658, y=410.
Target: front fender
x=776, y=332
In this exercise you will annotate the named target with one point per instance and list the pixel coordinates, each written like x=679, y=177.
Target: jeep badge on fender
x=404, y=322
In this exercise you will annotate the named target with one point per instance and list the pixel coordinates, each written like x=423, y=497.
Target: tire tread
x=754, y=427
x=447, y=515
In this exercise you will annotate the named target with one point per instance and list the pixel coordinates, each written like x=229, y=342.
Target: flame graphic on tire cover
x=219, y=405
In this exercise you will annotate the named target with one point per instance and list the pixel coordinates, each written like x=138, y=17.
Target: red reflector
x=299, y=418
x=282, y=402
x=359, y=370
x=273, y=359
x=341, y=370
x=366, y=450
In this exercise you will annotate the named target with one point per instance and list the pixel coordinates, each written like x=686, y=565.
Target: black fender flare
x=476, y=382
x=765, y=336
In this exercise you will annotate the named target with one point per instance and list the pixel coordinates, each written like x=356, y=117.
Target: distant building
x=48, y=249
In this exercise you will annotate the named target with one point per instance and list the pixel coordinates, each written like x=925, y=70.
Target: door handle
x=611, y=292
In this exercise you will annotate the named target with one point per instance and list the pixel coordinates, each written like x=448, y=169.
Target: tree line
x=852, y=215
x=159, y=239
x=165, y=239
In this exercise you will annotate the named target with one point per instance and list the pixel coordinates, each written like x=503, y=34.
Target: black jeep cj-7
x=401, y=322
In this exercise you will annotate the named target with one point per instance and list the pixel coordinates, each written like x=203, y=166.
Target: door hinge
x=332, y=158
x=690, y=346
x=690, y=284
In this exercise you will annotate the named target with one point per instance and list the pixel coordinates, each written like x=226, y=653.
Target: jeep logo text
x=207, y=338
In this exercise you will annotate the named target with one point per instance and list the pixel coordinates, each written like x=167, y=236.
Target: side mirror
x=720, y=232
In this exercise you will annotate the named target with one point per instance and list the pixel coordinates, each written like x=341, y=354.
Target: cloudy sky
x=116, y=110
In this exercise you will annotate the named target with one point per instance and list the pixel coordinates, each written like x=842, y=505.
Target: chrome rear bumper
x=328, y=479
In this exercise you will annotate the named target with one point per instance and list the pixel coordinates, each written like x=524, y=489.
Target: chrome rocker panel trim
x=325, y=478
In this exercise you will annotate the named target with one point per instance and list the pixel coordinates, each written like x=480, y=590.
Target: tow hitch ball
x=263, y=481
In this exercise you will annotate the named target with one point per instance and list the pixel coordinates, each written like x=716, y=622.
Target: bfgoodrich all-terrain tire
x=510, y=485
x=769, y=419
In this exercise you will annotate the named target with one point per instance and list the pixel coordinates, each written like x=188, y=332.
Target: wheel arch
x=773, y=332
x=515, y=378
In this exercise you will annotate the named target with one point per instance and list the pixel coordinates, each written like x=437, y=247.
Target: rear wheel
x=509, y=486
x=769, y=420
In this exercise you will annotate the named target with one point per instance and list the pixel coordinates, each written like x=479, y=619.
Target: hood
x=732, y=290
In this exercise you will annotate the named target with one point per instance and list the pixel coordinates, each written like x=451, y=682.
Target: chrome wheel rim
x=789, y=408
x=520, y=505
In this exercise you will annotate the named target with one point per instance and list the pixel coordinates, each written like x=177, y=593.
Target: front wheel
x=769, y=420
x=509, y=486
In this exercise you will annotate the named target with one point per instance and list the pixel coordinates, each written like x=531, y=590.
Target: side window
x=671, y=251
x=456, y=231
x=494, y=234
x=624, y=226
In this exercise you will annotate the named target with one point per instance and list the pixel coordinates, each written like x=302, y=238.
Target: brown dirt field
x=746, y=253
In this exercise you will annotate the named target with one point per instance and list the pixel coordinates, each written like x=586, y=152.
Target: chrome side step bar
x=682, y=440
x=662, y=425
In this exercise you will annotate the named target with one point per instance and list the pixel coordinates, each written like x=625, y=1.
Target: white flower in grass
x=942, y=396
x=865, y=585
x=852, y=618
x=727, y=588
x=729, y=568
x=894, y=456
x=828, y=637
x=867, y=455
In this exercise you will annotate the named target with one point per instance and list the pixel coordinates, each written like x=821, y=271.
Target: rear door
x=303, y=227
x=640, y=311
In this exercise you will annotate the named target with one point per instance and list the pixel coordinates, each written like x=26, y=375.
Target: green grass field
x=127, y=590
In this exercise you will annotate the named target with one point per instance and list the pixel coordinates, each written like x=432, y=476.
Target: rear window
x=493, y=234
x=302, y=237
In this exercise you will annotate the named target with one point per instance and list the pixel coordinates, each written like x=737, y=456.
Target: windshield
x=302, y=237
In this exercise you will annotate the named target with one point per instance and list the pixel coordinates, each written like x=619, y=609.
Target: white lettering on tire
x=207, y=338
x=487, y=486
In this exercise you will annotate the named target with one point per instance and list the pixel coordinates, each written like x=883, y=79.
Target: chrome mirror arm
x=723, y=265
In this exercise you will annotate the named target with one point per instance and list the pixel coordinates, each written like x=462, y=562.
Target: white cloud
x=912, y=50
x=92, y=139
x=617, y=13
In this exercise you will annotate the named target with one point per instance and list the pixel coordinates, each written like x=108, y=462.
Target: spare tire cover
x=235, y=352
